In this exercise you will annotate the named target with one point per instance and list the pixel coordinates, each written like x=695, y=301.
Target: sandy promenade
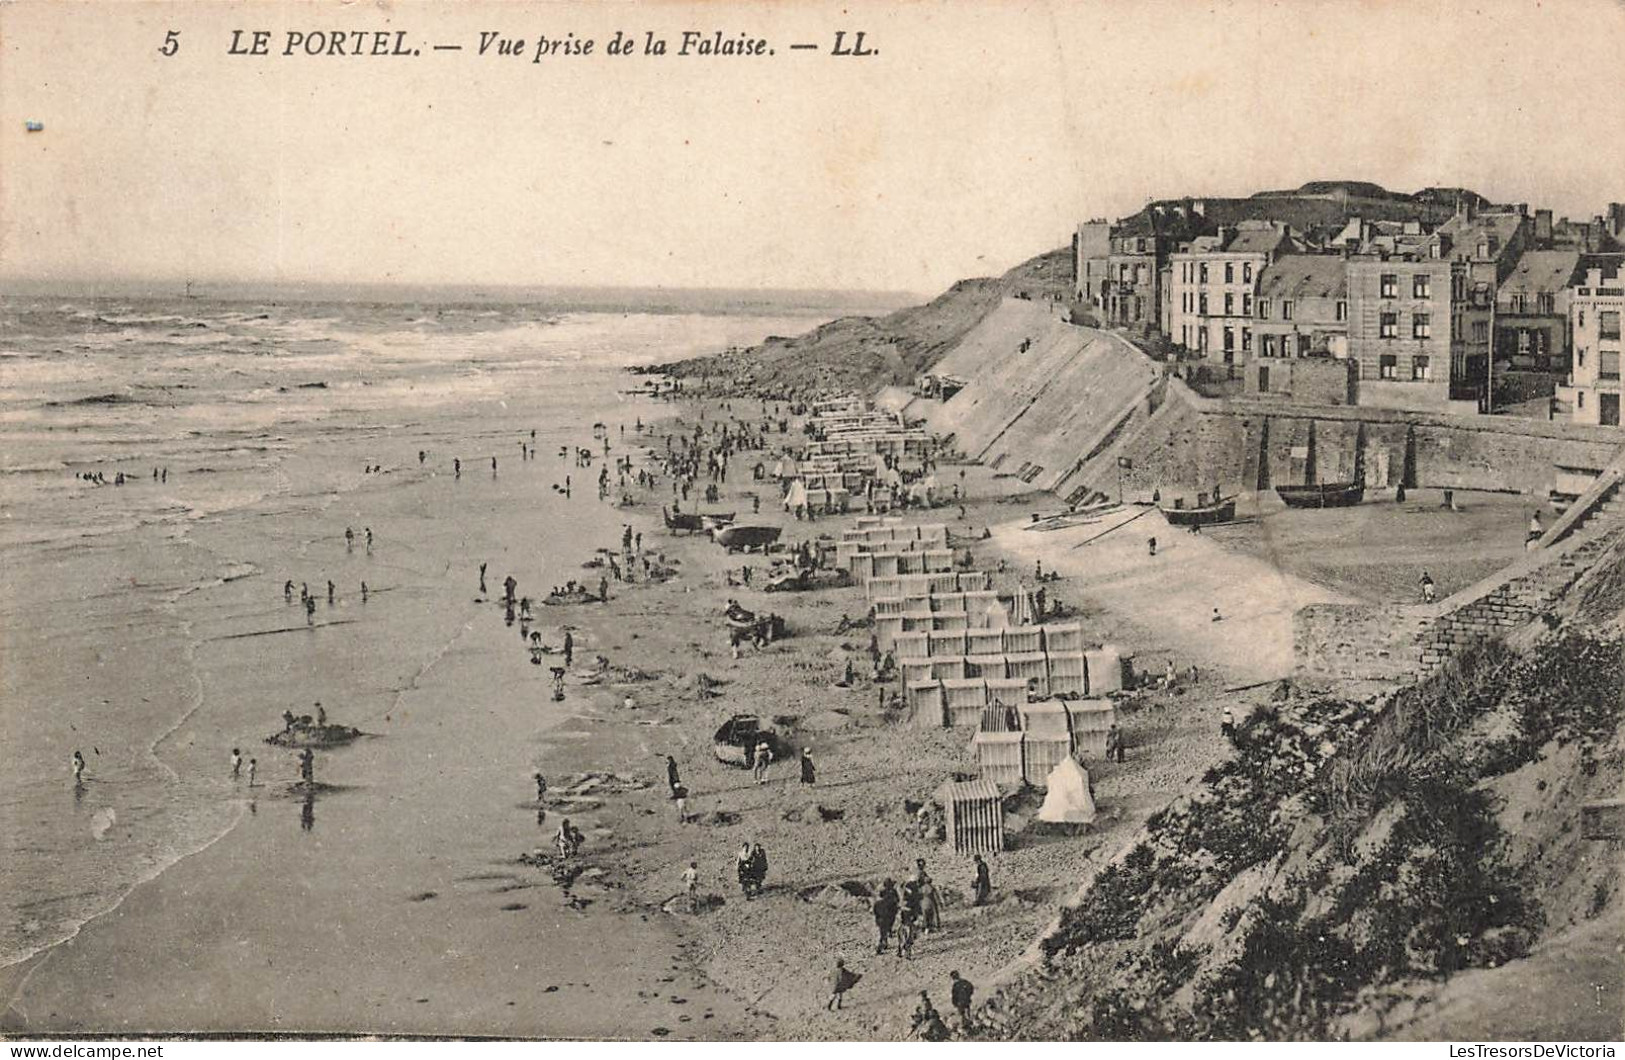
x=1169, y=599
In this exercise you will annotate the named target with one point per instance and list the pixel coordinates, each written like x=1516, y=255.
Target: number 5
x=172, y=43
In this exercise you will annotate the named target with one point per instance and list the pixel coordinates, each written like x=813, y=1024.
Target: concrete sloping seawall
x=1038, y=413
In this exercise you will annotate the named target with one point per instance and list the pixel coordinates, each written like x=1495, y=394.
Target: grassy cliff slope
x=867, y=353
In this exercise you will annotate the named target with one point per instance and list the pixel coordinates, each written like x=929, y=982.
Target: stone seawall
x=1257, y=445
x=1492, y=610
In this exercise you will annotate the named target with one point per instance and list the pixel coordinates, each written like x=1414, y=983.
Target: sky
x=977, y=135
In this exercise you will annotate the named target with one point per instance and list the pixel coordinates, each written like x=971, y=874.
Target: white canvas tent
x=1067, y=800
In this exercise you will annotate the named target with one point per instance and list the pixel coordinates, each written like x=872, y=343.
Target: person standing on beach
x=808, y=773
x=369, y=540
x=569, y=648
x=493, y=466
x=672, y=779
x=482, y=579
x=287, y=591
x=960, y=993
x=603, y=589
x=349, y=539
x=330, y=588
x=741, y=869
x=1227, y=723
x=840, y=982
x=236, y=762
x=679, y=795
x=457, y=467
x=77, y=764
x=509, y=584
x=691, y=886
x=310, y=610
x=885, y=913
x=982, y=886
x=764, y=756
x=363, y=592
x=253, y=767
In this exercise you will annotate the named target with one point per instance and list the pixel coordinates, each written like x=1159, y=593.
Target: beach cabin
x=998, y=757
x=963, y=700
x=1041, y=752
x=973, y=815
x=924, y=700
x=1105, y=670
x=1063, y=638
x=1031, y=668
x=1091, y=720
x=1068, y=674
x=986, y=665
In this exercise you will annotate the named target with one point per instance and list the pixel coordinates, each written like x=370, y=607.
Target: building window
x=1201, y=303
x=1421, y=326
x=1545, y=302
x=1246, y=272
x=1246, y=340
x=1608, y=324
x=1269, y=345
x=1481, y=331
x=1524, y=343
x=1286, y=309
x=1390, y=285
x=1389, y=328
x=1229, y=339
x=1229, y=304
x=1263, y=309
x=1420, y=370
x=1201, y=271
x=1388, y=366
x=1246, y=305
x=1421, y=286
x=1582, y=321
x=1342, y=310
x=1229, y=272
x=1608, y=364
x=1201, y=338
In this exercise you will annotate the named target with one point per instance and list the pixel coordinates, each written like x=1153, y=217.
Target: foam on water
x=109, y=593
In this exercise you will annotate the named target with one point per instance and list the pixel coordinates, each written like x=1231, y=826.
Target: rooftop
x=1305, y=276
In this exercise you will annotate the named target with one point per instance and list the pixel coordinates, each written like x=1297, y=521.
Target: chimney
x=1198, y=208
x=1521, y=209
x=1543, y=226
x=1616, y=219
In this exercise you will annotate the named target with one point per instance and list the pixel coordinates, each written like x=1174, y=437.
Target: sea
x=250, y=431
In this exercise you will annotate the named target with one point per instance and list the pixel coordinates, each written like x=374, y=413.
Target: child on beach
x=691, y=886
x=253, y=767
x=236, y=762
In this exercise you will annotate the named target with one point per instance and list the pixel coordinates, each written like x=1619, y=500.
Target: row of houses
x=1407, y=313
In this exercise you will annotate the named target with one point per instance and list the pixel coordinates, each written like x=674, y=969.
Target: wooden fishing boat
x=1206, y=515
x=735, y=538
x=682, y=521
x=735, y=742
x=1324, y=495
x=304, y=733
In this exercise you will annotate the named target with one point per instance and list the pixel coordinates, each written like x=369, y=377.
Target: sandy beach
x=417, y=889
x=302, y=917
